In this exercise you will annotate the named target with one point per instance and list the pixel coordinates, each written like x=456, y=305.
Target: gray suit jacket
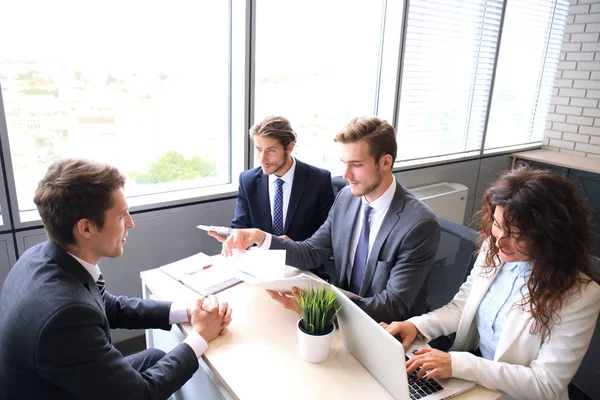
x=55, y=335
x=393, y=288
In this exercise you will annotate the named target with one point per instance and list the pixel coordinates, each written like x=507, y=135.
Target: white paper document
x=350, y=294
x=203, y=274
x=187, y=266
x=302, y=282
x=218, y=277
x=259, y=264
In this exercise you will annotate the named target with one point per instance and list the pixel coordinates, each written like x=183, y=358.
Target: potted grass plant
x=317, y=310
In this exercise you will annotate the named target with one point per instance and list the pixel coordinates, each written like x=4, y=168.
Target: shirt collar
x=522, y=267
x=384, y=200
x=92, y=269
x=288, y=177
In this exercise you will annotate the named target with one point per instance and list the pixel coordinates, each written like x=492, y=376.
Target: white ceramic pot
x=314, y=348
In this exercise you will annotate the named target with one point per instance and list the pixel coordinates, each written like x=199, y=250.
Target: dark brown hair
x=275, y=127
x=379, y=135
x=71, y=190
x=555, y=221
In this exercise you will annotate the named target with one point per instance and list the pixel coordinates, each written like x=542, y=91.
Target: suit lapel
x=64, y=260
x=478, y=290
x=515, y=324
x=263, y=198
x=389, y=221
x=348, y=225
x=296, y=194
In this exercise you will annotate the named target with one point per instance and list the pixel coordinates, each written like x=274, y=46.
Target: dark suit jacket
x=310, y=201
x=55, y=340
x=393, y=288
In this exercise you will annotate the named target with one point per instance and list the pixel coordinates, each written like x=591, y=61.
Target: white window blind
x=317, y=65
x=529, y=51
x=448, y=62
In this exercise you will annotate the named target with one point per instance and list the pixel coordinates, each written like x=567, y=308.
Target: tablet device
x=221, y=230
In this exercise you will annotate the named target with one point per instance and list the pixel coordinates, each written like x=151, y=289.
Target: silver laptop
x=383, y=356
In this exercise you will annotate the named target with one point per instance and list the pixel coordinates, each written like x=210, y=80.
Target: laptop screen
x=379, y=352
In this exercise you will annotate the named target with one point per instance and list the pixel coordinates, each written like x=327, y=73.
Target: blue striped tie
x=362, y=252
x=101, y=285
x=278, y=208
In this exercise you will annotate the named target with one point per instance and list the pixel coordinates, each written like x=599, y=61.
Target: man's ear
x=83, y=228
x=385, y=162
x=290, y=147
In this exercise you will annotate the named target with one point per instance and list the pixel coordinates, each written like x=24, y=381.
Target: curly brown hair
x=555, y=221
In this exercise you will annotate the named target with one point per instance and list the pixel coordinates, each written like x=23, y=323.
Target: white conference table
x=257, y=357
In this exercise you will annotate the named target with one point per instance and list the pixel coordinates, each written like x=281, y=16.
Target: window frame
x=242, y=53
x=237, y=126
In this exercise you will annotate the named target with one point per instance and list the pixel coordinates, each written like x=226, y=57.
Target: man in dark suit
x=382, y=238
x=283, y=196
x=57, y=314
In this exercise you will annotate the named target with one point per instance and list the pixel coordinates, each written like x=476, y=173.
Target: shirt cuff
x=178, y=313
x=267, y=243
x=197, y=343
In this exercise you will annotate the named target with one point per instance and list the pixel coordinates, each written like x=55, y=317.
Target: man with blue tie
x=284, y=196
x=382, y=238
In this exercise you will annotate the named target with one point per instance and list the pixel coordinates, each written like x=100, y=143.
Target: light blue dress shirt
x=504, y=293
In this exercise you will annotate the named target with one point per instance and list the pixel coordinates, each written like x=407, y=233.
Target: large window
x=531, y=40
x=317, y=65
x=167, y=92
x=140, y=85
x=449, y=53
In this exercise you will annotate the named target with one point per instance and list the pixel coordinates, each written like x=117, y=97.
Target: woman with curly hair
x=525, y=316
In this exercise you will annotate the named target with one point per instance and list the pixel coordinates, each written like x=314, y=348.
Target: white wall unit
x=448, y=200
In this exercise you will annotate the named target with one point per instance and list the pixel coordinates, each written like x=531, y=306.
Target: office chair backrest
x=453, y=262
x=338, y=184
x=588, y=374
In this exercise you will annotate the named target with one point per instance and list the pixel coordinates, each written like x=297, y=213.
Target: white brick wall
x=574, y=115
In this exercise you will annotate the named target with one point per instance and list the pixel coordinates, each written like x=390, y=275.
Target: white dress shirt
x=288, y=179
x=177, y=312
x=380, y=207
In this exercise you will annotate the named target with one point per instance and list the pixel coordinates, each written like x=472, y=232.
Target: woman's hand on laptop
x=405, y=331
x=431, y=361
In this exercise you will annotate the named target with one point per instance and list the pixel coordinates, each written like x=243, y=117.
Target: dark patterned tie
x=362, y=251
x=278, y=208
x=101, y=286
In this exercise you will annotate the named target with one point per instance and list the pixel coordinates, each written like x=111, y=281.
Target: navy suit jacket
x=55, y=335
x=310, y=201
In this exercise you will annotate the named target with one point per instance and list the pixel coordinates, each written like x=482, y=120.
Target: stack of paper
x=219, y=276
x=260, y=264
x=203, y=274
x=187, y=266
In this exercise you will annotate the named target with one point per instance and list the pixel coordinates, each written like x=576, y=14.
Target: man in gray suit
x=57, y=314
x=382, y=238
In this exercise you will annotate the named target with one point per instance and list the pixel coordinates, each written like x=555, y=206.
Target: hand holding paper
x=289, y=302
x=220, y=238
x=241, y=239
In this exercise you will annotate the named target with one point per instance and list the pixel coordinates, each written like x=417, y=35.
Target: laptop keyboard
x=419, y=388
